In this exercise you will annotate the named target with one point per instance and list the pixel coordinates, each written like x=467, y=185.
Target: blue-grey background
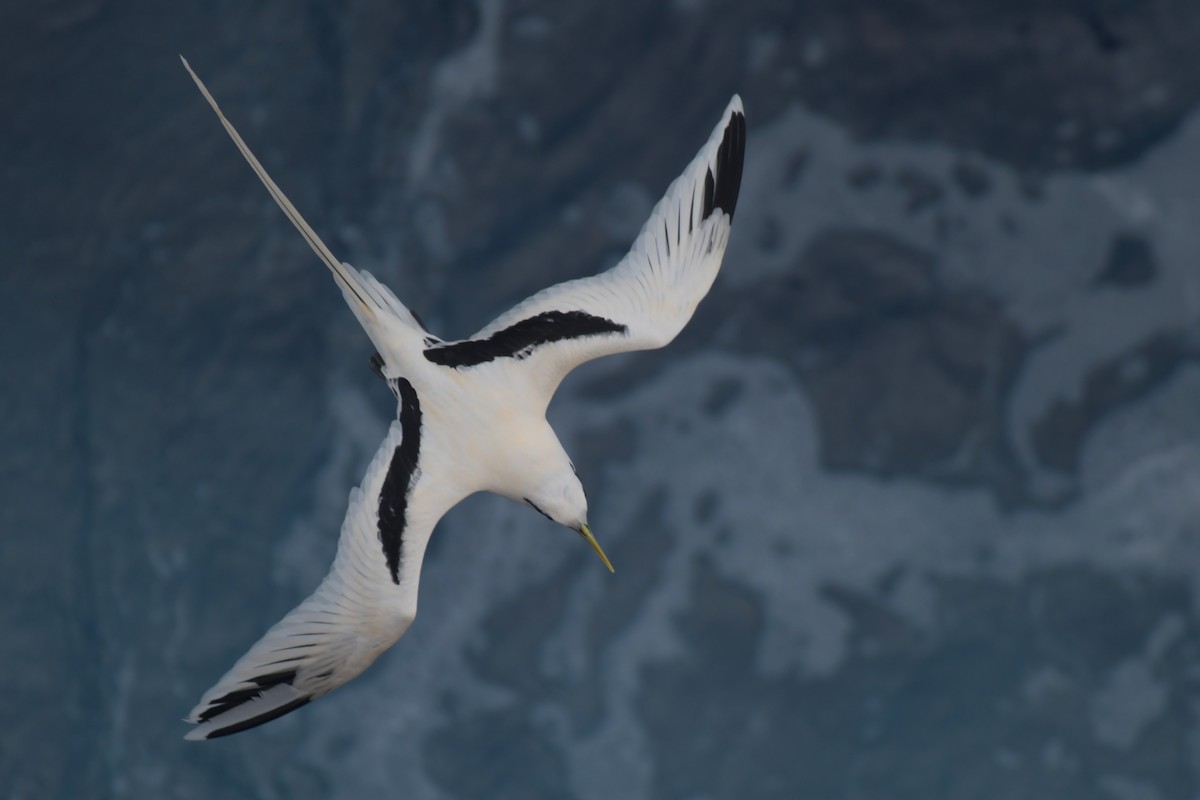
x=911, y=510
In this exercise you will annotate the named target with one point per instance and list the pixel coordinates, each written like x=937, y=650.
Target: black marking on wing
x=721, y=190
x=377, y=366
x=521, y=338
x=239, y=696
x=401, y=474
x=254, y=722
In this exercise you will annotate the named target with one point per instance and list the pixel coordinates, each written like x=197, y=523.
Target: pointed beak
x=586, y=533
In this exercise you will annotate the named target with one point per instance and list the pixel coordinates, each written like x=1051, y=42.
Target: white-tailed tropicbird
x=471, y=417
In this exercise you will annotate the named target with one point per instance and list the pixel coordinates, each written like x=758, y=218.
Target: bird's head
x=559, y=497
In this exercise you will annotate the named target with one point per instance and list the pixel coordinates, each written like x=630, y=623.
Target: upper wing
x=646, y=299
x=362, y=607
x=392, y=327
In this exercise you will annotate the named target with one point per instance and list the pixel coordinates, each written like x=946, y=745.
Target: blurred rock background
x=909, y=511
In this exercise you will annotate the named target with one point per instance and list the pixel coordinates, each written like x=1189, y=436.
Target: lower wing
x=362, y=607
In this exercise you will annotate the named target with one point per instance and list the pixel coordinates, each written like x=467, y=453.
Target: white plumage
x=470, y=418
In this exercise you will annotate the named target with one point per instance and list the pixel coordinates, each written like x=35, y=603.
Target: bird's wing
x=392, y=327
x=646, y=299
x=362, y=607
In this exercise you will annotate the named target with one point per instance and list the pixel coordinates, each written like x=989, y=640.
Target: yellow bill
x=586, y=533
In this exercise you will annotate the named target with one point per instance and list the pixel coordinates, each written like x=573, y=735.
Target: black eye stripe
x=534, y=506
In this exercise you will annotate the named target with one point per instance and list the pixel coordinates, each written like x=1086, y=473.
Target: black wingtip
x=721, y=190
x=261, y=719
x=250, y=694
x=239, y=696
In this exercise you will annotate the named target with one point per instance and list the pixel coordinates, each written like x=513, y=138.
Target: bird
x=471, y=417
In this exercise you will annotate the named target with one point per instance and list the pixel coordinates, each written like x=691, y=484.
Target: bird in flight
x=471, y=417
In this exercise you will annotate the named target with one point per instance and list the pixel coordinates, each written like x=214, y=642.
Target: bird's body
x=471, y=418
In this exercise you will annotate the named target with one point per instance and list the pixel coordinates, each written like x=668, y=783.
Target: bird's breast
x=478, y=429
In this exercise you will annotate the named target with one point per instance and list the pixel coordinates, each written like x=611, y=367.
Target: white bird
x=471, y=417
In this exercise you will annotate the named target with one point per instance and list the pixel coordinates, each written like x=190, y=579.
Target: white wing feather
x=655, y=289
x=356, y=613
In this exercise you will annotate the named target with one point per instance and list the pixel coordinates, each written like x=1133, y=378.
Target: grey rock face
x=909, y=510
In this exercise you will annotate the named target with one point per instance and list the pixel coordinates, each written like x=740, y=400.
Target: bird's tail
x=376, y=308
